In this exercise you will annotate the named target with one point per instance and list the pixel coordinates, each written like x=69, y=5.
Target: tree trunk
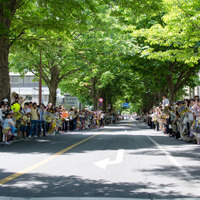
x=4, y=70
x=171, y=88
x=53, y=84
x=53, y=94
x=170, y=83
x=7, y=11
x=98, y=91
x=93, y=93
x=104, y=102
x=95, y=104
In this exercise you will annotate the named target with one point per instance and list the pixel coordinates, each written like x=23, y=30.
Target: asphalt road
x=124, y=160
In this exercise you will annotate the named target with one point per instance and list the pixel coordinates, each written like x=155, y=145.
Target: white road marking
x=171, y=158
x=104, y=163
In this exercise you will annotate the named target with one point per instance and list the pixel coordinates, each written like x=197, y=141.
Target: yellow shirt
x=48, y=117
x=34, y=114
x=24, y=121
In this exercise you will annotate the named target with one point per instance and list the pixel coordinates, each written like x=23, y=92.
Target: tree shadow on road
x=40, y=185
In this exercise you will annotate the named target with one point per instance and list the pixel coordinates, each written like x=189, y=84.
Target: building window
x=71, y=101
x=21, y=80
x=28, y=79
x=14, y=79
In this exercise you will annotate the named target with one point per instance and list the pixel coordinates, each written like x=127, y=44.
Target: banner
x=17, y=115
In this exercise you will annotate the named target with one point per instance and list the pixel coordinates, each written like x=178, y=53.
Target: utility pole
x=40, y=79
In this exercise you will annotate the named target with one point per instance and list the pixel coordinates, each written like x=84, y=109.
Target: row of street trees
x=118, y=50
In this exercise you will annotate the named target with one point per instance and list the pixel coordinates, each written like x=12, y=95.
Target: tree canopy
x=122, y=51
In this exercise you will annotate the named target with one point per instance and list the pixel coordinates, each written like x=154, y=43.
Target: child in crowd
x=13, y=123
x=23, y=128
x=65, y=120
x=7, y=129
x=87, y=123
x=53, y=122
x=48, y=118
x=8, y=110
x=79, y=125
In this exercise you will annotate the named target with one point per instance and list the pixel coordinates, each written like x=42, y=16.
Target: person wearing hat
x=5, y=100
x=4, y=103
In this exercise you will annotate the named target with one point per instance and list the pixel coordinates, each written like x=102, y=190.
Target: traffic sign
x=100, y=104
x=126, y=105
x=101, y=100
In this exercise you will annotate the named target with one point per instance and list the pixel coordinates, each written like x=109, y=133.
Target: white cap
x=5, y=100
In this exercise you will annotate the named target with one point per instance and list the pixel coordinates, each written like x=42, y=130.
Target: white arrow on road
x=104, y=163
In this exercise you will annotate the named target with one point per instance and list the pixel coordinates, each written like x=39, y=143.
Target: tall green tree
x=19, y=17
x=173, y=41
x=49, y=56
x=98, y=52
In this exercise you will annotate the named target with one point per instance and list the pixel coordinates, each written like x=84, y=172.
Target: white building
x=191, y=92
x=28, y=88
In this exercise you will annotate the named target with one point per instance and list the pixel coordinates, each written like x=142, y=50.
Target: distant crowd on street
x=180, y=119
x=25, y=120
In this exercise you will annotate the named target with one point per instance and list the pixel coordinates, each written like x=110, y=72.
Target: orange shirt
x=64, y=115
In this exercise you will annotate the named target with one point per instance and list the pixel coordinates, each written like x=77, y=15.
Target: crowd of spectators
x=180, y=120
x=26, y=120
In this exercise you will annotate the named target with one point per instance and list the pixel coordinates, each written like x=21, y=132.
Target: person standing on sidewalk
x=34, y=120
x=26, y=109
x=165, y=101
x=41, y=121
x=65, y=119
x=71, y=122
x=23, y=127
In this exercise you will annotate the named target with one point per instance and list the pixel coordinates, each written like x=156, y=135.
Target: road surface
x=121, y=161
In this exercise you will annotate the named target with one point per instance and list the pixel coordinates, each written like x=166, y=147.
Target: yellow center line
x=41, y=163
